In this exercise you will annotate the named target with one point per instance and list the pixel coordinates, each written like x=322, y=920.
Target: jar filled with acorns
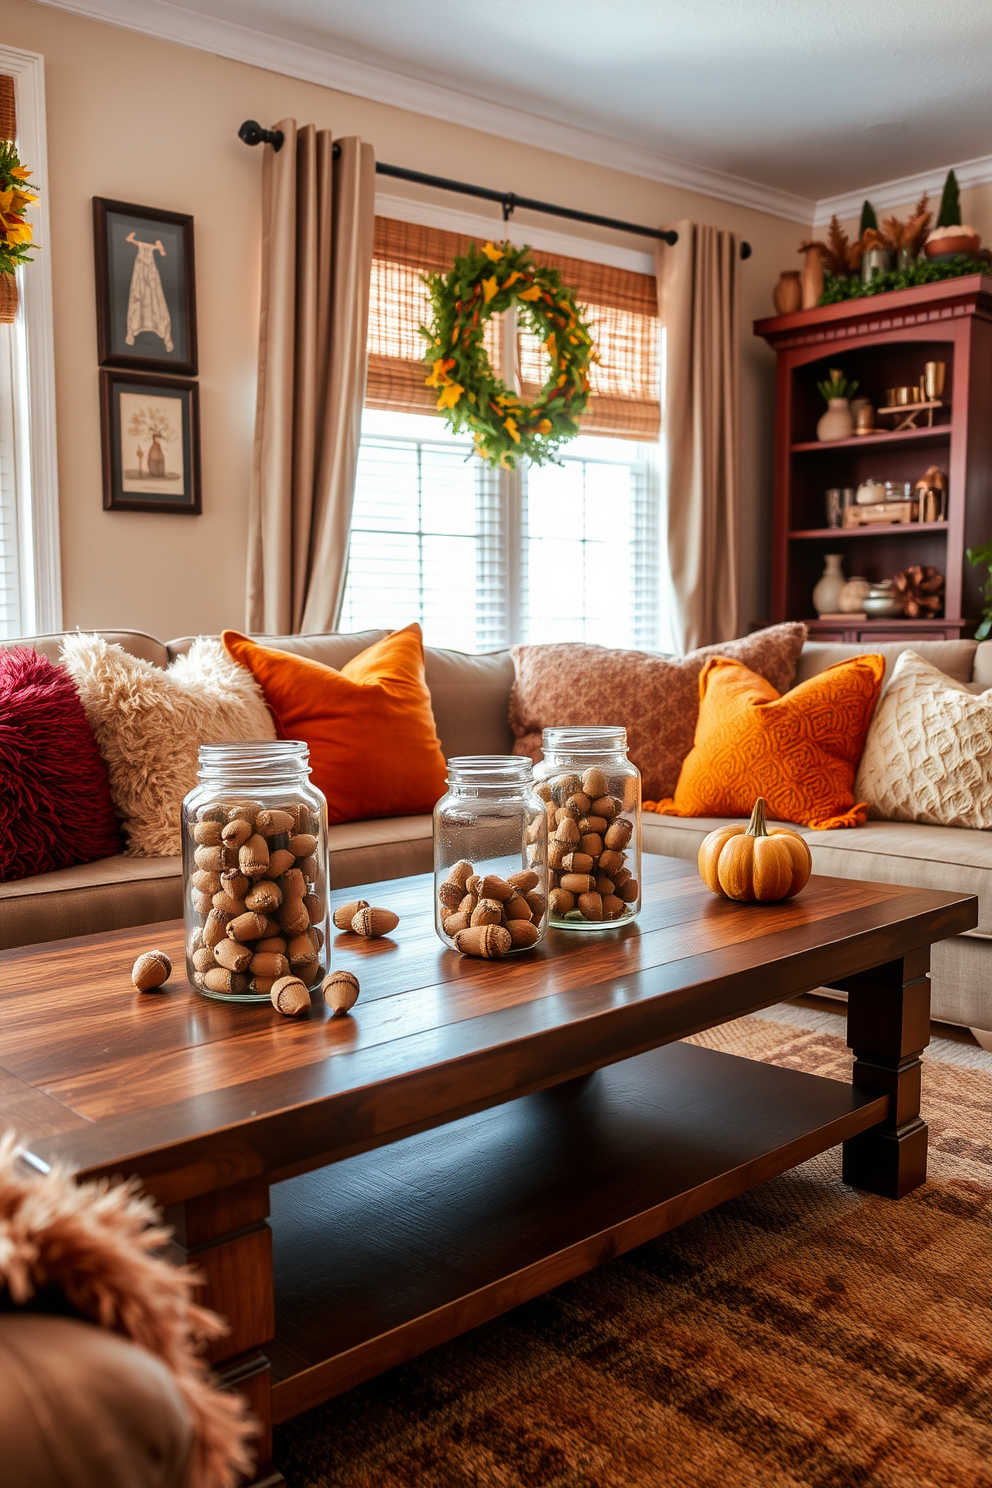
x=254, y=871
x=490, y=857
x=592, y=798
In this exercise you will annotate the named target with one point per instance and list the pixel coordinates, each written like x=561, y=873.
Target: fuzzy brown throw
x=96, y=1244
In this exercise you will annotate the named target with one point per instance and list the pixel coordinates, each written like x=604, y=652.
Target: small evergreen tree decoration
x=868, y=219
x=950, y=203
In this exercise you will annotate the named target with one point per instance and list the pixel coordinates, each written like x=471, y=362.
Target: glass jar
x=592, y=796
x=254, y=871
x=491, y=826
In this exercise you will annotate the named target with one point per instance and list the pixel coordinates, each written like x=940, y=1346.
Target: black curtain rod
x=253, y=134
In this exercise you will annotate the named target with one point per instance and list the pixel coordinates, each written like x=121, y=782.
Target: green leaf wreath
x=481, y=283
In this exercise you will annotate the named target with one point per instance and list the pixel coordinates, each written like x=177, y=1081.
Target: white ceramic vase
x=826, y=594
x=837, y=422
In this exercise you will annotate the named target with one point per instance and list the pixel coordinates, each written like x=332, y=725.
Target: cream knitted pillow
x=928, y=755
x=149, y=725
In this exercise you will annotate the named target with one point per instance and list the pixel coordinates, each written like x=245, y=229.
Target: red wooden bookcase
x=883, y=341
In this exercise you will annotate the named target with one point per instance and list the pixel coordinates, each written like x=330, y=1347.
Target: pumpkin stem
x=756, y=826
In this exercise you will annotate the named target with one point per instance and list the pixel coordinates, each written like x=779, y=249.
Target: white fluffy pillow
x=928, y=755
x=149, y=725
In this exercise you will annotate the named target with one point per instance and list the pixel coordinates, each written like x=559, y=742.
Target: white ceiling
x=813, y=98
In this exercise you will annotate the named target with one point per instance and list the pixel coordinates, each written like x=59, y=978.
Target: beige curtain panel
x=317, y=231
x=699, y=303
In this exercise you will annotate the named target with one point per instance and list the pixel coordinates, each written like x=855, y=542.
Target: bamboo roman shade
x=621, y=306
x=8, y=124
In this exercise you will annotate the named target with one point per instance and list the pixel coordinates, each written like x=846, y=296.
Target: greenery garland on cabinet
x=480, y=284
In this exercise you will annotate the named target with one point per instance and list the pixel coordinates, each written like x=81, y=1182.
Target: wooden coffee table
x=476, y=1132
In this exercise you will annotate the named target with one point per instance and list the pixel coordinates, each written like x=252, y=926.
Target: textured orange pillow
x=374, y=750
x=799, y=750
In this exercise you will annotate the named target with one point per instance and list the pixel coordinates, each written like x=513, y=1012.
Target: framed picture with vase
x=145, y=288
x=150, y=430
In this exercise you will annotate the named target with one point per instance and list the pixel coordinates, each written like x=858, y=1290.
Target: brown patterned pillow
x=656, y=698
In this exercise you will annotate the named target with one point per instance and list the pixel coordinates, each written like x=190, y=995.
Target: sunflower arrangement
x=15, y=198
x=481, y=283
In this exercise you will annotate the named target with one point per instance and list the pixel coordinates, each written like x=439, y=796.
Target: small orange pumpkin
x=751, y=863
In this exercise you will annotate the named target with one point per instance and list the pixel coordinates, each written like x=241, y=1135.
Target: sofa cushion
x=369, y=726
x=655, y=698
x=955, y=658
x=55, y=806
x=928, y=755
x=110, y=894
x=470, y=694
x=958, y=859
x=149, y=725
x=800, y=751
x=116, y=892
x=134, y=642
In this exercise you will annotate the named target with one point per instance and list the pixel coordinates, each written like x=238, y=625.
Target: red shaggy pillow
x=55, y=806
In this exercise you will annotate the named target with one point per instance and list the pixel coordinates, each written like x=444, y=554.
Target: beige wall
x=141, y=120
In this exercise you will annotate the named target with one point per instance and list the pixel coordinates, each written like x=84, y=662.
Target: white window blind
x=12, y=477
x=487, y=558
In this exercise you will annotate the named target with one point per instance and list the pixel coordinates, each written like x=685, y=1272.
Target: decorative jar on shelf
x=880, y=603
x=788, y=293
x=492, y=825
x=254, y=836
x=853, y=595
x=592, y=798
x=826, y=593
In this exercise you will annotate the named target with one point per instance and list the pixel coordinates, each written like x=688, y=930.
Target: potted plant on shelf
x=15, y=233
x=838, y=421
x=950, y=236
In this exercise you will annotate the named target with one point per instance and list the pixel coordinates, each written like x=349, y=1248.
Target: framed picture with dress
x=151, y=443
x=145, y=288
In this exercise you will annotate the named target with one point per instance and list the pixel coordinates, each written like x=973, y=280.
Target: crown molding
x=175, y=23
x=472, y=224
x=896, y=193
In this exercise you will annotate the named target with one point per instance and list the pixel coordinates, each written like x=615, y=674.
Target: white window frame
x=431, y=214
x=35, y=440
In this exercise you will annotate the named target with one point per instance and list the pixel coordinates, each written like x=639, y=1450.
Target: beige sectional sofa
x=470, y=696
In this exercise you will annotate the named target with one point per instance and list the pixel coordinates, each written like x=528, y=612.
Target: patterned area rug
x=804, y=1334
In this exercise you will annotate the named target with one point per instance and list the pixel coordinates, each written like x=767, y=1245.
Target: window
x=487, y=558
x=30, y=584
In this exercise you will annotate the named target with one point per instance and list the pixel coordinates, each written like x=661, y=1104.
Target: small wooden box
x=880, y=511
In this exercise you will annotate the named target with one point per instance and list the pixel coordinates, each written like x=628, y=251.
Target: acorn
x=372, y=922
x=340, y=991
x=488, y=941
x=343, y=917
x=289, y=996
x=151, y=970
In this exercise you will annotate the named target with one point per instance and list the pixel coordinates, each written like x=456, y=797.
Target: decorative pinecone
x=920, y=591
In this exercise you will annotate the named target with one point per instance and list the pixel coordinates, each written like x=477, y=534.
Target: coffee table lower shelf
x=384, y=1255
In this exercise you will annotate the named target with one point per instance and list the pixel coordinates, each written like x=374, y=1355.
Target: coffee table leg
x=226, y=1237
x=888, y=1027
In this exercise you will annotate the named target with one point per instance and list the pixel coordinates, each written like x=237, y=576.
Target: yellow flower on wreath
x=450, y=395
x=510, y=425
x=492, y=252
x=21, y=172
x=439, y=376
x=19, y=232
x=490, y=288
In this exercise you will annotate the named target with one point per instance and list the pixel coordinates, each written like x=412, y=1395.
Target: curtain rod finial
x=253, y=134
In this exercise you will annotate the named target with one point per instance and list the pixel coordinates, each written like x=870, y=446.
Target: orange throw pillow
x=799, y=750
x=374, y=750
